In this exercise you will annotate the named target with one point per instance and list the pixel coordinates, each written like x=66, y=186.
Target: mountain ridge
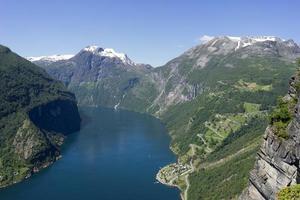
x=246, y=40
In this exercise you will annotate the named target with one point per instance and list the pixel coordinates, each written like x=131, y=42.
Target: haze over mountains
x=212, y=98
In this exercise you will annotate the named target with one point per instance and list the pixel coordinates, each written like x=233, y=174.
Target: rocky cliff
x=277, y=165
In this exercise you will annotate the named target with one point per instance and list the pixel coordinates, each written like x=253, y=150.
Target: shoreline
x=33, y=170
x=169, y=184
x=36, y=170
x=175, y=172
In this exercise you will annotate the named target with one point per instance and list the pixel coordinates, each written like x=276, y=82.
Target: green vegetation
x=251, y=107
x=282, y=116
x=224, y=173
x=226, y=123
x=222, y=182
x=252, y=87
x=289, y=193
x=215, y=114
x=24, y=86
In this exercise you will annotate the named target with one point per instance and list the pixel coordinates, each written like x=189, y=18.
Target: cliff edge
x=277, y=164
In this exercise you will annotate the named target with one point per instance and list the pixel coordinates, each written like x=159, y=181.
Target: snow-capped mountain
x=245, y=41
x=91, y=64
x=243, y=46
x=101, y=75
x=92, y=49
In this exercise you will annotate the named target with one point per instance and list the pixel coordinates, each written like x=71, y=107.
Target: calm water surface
x=115, y=156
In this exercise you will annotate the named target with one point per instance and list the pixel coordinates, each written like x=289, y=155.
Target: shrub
x=289, y=193
x=281, y=117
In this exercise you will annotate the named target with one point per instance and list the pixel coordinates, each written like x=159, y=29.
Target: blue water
x=115, y=156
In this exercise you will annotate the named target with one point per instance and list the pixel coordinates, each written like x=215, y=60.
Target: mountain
x=277, y=164
x=221, y=96
x=214, y=100
x=103, y=77
x=36, y=112
x=189, y=68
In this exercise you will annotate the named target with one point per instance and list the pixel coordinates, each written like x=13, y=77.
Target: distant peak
x=108, y=52
x=92, y=48
x=241, y=41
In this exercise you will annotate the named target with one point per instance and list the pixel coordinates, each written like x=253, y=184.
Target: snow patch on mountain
x=91, y=48
x=247, y=41
x=108, y=52
x=112, y=53
x=206, y=38
x=255, y=39
x=52, y=58
x=240, y=41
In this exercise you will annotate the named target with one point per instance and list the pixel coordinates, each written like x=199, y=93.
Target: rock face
x=277, y=165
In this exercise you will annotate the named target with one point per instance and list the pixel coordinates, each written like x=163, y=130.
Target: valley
x=114, y=151
x=214, y=100
x=149, y=100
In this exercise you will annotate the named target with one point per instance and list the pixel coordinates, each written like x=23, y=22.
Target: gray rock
x=277, y=163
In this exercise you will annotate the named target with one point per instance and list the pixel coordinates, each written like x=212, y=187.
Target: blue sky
x=148, y=31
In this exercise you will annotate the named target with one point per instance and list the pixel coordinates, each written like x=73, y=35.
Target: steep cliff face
x=36, y=112
x=277, y=165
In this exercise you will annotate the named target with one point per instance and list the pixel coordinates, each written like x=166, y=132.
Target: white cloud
x=205, y=38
